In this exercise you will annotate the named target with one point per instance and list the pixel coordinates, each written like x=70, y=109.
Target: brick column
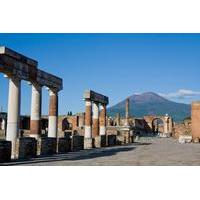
x=13, y=112
x=196, y=120
x=102, y=120
x=53, y=114
x=35, y=125
x=88, y=124
x=95, y=119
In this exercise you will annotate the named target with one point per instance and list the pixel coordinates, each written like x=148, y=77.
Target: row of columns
x=14, y=99
x=95, y=119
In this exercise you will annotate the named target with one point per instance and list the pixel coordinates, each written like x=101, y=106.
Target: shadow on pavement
x=75, y=156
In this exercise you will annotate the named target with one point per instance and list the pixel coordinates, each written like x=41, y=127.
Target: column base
x=100, y=141
x=88, y=143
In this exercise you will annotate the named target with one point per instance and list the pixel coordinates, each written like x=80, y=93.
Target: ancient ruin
x=24, y=137
x=95, y=122
x=17, y=67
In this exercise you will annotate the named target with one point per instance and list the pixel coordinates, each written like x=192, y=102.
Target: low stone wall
x=77, y=143
x=5, y=151
x=27, y=148
x=112, y=140
x=64, y=145
x=48, y=146
x=100, y=141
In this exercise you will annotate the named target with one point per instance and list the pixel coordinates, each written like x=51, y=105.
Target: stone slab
x=27, y=148
x=112, y=140
x=77, y=143
x=48, y=146
x=5, y=151
x=64, y=145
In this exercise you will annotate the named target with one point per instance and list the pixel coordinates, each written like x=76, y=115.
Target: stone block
x=196, y=140
x=185, y=139
x=48, y=146
x=112, y=140
x=120, y=139
x=64, y=145
x=100, y=141
x=77, y=143
x=27, y=148
x=5, y=151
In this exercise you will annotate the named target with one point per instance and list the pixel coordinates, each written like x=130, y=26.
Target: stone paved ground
x=147, y=152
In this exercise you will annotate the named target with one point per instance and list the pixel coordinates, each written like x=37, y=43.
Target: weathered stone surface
x=48, y=146
x=196, y=140
x=100, y=141
x=5, y=151
x=27, y=148
x=88, y=143
x=195, y=120
x=112, y=140
x=64, y=145
x=77, y=143
x=185, y=139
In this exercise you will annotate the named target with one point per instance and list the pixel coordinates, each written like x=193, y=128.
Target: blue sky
x=117, y=65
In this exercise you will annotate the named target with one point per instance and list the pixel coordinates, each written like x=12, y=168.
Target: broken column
x=95, y=118
x=35, y=124
x=118, y=119
x=195, y=120
x=127, y=113
x=13, y=112
x=88, y=124
x=3, y=125
x=166, y=126
x=53, y=114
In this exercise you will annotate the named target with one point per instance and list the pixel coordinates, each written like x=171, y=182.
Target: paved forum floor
x=147, y=152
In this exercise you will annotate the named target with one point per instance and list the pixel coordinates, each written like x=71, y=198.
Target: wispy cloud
x=181, y=94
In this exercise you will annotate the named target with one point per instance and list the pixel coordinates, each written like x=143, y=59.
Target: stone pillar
x=118, y=119
x=166, y=126
x=35, y=124
x=3, y=125
x=88, y=124
x=102, y=120
x=127, y=113
x=195, y=120
x=95, y=119
x=53, y=114
x=13, y=117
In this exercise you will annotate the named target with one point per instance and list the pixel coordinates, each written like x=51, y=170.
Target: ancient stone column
x=13, y=117
x=102, y=120
x=3, y=125
x=127, y=113
x=166, y=125
x=53, y=114
x=35, y=124
x=88, y=119
x=196, y=120
x=95, y=119
x=88, y=125
x=118, y=119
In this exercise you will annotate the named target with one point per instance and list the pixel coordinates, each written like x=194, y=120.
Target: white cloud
x=181, y=94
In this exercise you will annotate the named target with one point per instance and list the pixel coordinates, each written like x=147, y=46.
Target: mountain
x=152, y=104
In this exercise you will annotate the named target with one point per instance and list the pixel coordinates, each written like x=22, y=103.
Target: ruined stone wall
x=184, y=128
